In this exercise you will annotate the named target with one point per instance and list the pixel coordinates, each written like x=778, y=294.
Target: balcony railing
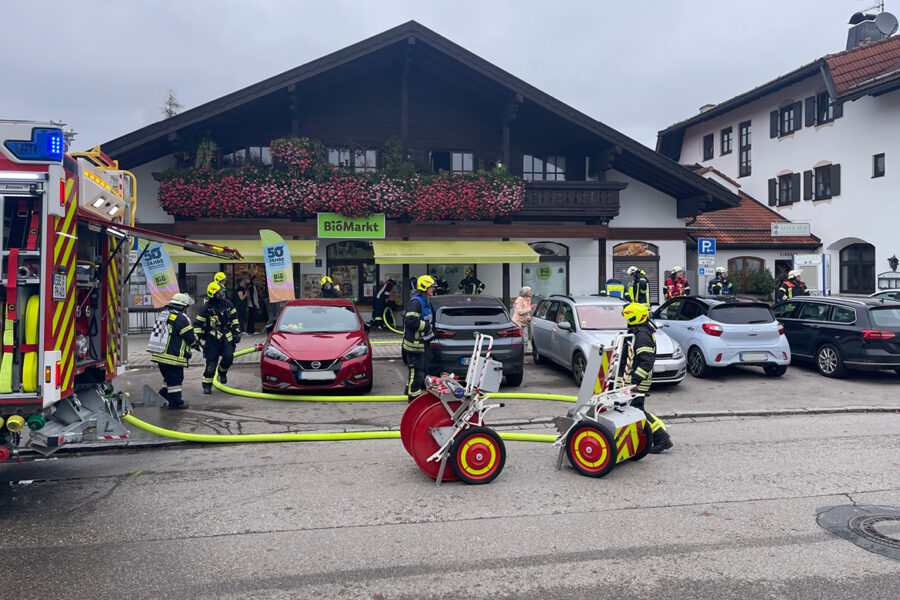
x=590, y=200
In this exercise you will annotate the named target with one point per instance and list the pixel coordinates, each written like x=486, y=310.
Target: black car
x=840, y=333
x=456, y=320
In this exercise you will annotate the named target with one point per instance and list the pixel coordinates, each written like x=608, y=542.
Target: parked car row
x=321, y=344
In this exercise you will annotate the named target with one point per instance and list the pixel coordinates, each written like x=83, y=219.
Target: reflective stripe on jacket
x=417, y=324
x=181, y=338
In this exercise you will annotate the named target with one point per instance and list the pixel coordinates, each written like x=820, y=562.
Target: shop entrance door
x=351, y=264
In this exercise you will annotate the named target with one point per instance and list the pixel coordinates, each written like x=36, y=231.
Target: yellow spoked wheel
x=590, y=450
x=478, y=455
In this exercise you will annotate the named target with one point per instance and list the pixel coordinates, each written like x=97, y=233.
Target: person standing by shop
x=252, y=305
x=382, y=299
x=720, y=286
x=240, y=302
x=418, y=323
x=639, y=290
x=522, y=315
x=791, y=287
x=328, y=289
x=217, y=327
x=471, y=284
x=676, y=284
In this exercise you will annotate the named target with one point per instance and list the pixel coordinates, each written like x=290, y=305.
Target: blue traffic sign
x=706, y=246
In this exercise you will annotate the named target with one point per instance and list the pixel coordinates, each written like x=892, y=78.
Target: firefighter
x=637, y=369
x=676, y=284
x=442, y=286
x=791, y=287
x=639, y=290
x=219, y=330
x=174, y=358
x=471, y=284
x=720, y=286
x=329, y=290
x=382, y=299
x=418, y=323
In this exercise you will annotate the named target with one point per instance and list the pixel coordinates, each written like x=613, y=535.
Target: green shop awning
x=302, y=251
x=399, y=252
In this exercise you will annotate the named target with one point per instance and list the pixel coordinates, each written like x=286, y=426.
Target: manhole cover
x=872, y=528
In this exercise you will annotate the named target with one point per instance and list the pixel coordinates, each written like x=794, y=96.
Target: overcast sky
x=104, y=66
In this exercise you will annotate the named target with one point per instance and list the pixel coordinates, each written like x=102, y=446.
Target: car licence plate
x=316, y=375
x=754, y=356
x=659, y=368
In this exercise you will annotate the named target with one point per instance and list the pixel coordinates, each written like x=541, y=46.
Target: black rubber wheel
x=775, y=370
x=478, y=455
x=368, y=387
x=590, y=450
x=535, y=355
x=646, y=443
x=515, y=379
x=696, y=364
x=829, y=361
x=579, y=364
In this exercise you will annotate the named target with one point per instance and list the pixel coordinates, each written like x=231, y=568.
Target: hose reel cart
x=446, y=423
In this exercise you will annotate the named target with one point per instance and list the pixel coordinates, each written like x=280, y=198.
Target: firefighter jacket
x=418, y=324
x=181, y=338
x=719, y=287
x=639, y=291
x=442, y=286
x=330, y=292
x=790, y=289
x=677, y=287
x=640, y=356
x=218, y=321
x=471, y=285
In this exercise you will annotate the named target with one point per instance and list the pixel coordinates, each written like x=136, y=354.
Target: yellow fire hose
x=322, y=437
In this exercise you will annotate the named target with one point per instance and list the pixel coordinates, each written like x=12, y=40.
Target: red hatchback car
x=317, y=344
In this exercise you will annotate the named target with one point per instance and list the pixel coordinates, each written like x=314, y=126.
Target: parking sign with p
x=706, y=246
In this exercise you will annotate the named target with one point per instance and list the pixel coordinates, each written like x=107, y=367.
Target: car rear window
x=317, y=319
x=599, y=316
x=742, y=314
x=473, y=315
x=842, y=314
x=886, y=317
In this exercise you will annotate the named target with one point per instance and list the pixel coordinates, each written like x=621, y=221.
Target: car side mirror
x=270, y=327
x=565, y=325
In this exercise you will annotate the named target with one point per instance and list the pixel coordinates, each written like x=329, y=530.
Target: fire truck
x=68, y=226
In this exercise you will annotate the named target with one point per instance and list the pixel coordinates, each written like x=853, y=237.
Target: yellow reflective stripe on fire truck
x=627, y=441
x=70, y=183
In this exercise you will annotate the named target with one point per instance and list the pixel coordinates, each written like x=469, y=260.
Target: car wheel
x=535, y=355
x=775, y=370
x=829, y=362
x=696, y=364
x=579, y=364
x=514, y=379
x=368, y=387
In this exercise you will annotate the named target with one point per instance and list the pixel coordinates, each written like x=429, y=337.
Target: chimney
x=863, y=31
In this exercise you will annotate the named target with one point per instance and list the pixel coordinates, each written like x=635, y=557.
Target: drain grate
x=864, y=526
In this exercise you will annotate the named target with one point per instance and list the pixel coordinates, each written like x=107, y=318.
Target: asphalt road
x=729, y=512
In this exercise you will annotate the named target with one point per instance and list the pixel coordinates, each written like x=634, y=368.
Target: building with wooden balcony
x=588, y=201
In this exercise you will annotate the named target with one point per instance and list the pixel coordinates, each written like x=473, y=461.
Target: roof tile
x=865, y=66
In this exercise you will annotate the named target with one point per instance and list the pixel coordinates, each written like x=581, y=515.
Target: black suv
x=457, y=318
x=840, y=333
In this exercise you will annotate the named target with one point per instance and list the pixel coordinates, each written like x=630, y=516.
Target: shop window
x=858, y=269
x=453, y=273
x=551, y=274
x=743, y=267
x=642, y=255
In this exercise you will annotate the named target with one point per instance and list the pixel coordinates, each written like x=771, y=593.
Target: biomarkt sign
x=332, y=225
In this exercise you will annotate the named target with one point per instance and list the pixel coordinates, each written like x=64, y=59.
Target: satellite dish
x=886, y=23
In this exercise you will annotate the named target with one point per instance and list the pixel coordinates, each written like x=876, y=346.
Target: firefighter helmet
x=181, y=299
x=468, y=271
x=793, y=273
x=676, y=268
x=219, y=277
x=212, y=289
x=327, y=279
x=424, y=282
x=635, y=313
x=631, y=270
x=720, y=269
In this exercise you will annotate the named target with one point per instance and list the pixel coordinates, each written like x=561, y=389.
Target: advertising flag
x=279, y=268
x=160, y=271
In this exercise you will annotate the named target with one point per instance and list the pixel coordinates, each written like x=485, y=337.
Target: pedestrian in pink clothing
x=522, y=314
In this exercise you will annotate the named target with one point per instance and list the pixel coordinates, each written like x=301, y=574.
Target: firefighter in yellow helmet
x=218, y=328
x=637, y=369
x=639, y=290
x=329, y=290
x=470, y=284
x=418, y=330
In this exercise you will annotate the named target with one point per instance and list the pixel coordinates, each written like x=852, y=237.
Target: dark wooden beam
x=692, y=206
x=510, y=111
x=294, y=109
x=404, y=95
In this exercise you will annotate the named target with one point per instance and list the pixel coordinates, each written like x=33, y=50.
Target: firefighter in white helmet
x=639, y=290
x=676, y=284
x=791, y=287
x=719, y=286
x=174, y=358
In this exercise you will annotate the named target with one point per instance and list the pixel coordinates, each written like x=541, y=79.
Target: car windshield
x=886, y=317
x=317, y=319
x=473, y=315
x=742, y=314
x=601, y=316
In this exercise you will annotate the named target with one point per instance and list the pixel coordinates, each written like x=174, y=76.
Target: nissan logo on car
x=315, y=364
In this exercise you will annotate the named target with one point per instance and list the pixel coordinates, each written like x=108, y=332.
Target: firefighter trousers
x=219, y=355
x=173, y=375
x=417, y=363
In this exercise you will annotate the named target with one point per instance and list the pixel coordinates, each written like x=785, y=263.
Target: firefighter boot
x=207, y=388
x=661, y=441
x=223, y=376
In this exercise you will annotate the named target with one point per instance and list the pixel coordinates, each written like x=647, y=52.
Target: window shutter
x=798, y=116
x=835, y=180
x=773, y=124
x=810, y=111
x=807, y=185
x=795, y=187
x=838, y=110
x=773, y=192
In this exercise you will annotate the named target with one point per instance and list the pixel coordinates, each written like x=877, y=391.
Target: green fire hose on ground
x=321, y=437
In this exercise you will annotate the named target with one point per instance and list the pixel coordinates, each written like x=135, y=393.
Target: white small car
x=719, y=333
